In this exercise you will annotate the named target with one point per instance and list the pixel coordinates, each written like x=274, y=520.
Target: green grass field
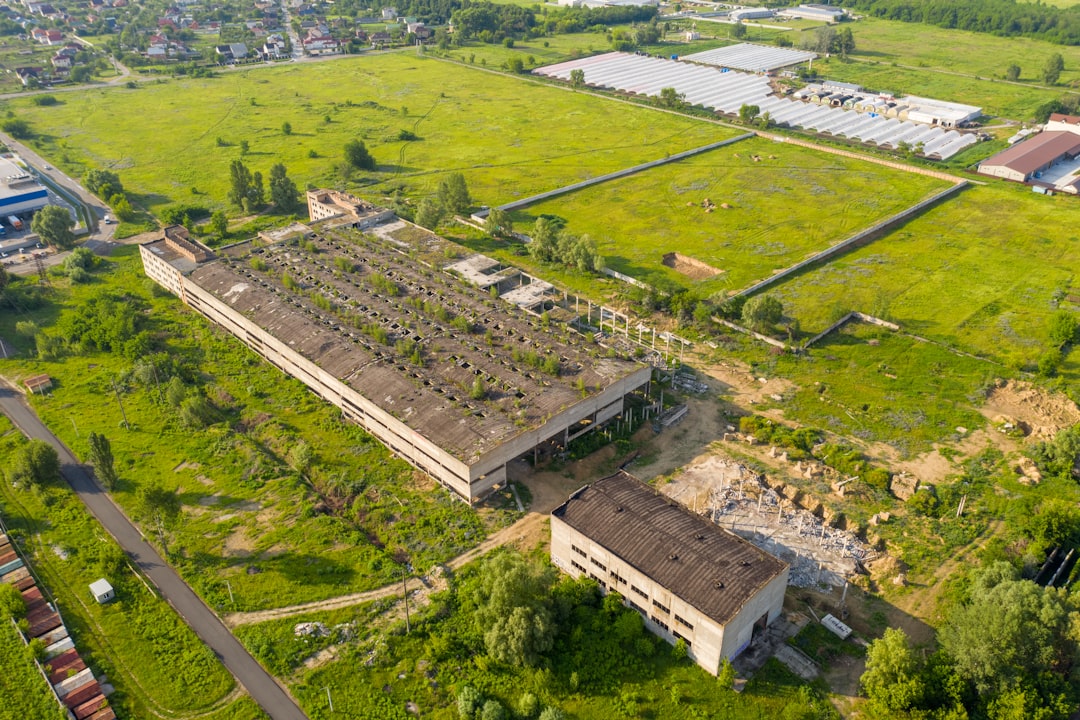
x=939, y=62
x=511, y=139
x=157, y=664
x=790, y=204
x=983, y=272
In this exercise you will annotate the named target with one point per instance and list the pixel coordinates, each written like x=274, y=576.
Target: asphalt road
x=273, y=699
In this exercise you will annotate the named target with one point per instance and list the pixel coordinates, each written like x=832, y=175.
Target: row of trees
x=1050, y=72
x=999, y=17
x=247, y=192
x=552, y=244
x=107, y=186
x=451, y=197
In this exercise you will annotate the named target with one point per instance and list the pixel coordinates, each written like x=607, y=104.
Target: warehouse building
x=20, y=192
x=689, y=578
x=452, y=380
x=1049, y=158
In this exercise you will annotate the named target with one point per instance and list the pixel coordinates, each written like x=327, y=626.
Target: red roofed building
x=1027, y=160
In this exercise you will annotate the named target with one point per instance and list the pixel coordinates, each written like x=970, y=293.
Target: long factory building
x=451, y=379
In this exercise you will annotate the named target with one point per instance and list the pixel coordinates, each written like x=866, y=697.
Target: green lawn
x=932, y=54
x=790, y=204
x=249, y=519
x=983, y=272
x=154, y=660
x=909, y=394
x=510, y=138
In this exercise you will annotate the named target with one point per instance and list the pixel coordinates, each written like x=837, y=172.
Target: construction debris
x=737, y=498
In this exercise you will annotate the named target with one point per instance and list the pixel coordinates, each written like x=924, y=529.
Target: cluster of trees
x=998, y=17
x=1009, y=649
x=78, y=265
x=357, y=156
x=36, y=463
x=827, y=40
x=491, y=22
x=1050, y=73
x=451, y=197
x=107, y=186
x=625, y=40
x=247, y=192
x=552, y=244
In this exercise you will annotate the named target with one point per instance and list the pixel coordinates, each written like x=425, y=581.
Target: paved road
x=261, y=686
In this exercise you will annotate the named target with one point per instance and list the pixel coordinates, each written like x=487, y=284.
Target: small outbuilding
x=102, y=591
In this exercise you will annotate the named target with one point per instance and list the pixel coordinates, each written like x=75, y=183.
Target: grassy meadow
x=172, y=142
x=791, y=203
x=982, y=272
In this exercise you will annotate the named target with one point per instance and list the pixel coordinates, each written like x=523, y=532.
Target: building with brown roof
x=1066, y=123
x=1027, y=160
x=454, y=381
x=688, y=577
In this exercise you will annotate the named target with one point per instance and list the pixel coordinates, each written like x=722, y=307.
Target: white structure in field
x=102, y=591
x=689, y=578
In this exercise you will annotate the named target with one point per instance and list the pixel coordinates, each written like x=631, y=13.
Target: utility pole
x=405, y=594
x=121, y=404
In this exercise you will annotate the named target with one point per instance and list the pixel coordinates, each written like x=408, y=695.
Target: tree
x=101, y=458
x=121, y=207
x=357, y=155
x=516, y=65
x=453, y=193
x=511, y=604
x=1052, y=69
x=219, y=223
x=286, y=128
x=283, y=192
x=245, y=146
x=256, y=194
x=12, y=603
x=17, y=128
x=493, y=710
x=1012, y=634
x=36, y=462
x=1012, y=73
x=160, y=508
x=822, y=41
x=429, y=213
x=103, y=183
x=748, y=113
x=762, y=312
x=671, y=98
x=894, y=678
x=239, y=183
x=469, y=700
x=844, y=43
x=577, y=78
x=737, y=31
x=552, y=713
x=1063, y=328
x=53, y=223
x=498, y=223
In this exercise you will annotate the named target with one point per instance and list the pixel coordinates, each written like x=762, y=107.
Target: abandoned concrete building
x=454, y=381
x=688, y=578
x=332, y=204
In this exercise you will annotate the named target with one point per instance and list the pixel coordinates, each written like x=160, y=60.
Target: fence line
x=856, y=239
x=510, y=206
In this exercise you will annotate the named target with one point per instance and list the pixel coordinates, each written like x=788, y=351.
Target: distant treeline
x=998, y=17
x=472, y=18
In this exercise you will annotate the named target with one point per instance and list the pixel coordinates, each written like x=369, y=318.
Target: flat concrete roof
x=384, y=305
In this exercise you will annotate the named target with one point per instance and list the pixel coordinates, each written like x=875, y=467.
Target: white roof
x=754, y=58
x=100, y=587
x=728, y=91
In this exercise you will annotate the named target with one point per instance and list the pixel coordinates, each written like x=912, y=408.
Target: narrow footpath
x=262, y=687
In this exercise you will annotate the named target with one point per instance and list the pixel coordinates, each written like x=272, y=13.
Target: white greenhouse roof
x=752, y=58
x=727, y=91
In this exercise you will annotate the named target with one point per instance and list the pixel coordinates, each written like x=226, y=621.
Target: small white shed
x=102, y=591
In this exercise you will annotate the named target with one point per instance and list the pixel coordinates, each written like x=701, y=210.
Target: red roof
x=1030, y=155
x=1069, y=119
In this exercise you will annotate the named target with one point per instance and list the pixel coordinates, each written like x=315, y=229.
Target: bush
x=528, y=705
x=493, y=710
x=468, y=702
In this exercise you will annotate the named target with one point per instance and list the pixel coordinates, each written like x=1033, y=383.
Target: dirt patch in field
x=238, y=544
x=688, y=266
x=1042, y=412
